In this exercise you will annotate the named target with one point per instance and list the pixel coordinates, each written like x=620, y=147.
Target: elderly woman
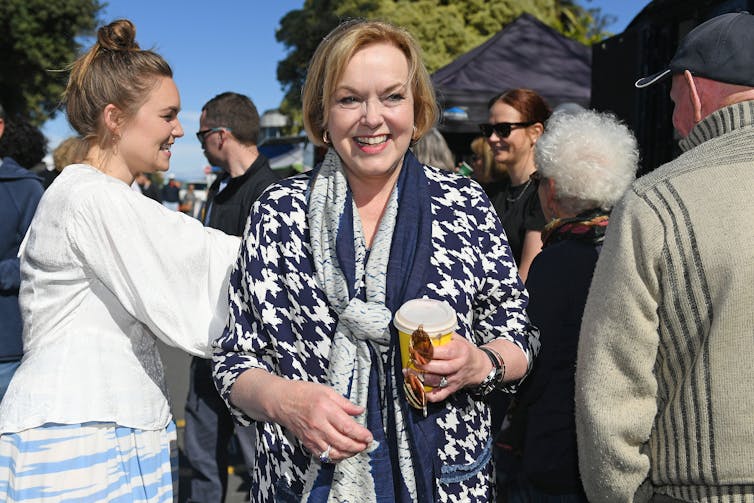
x=310, y=356
x=586, y=161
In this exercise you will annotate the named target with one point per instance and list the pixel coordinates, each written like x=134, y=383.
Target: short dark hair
x=2, y=111
x=235, y=112
x=23, y=142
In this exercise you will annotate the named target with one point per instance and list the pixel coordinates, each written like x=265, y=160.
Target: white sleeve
x=166, y=269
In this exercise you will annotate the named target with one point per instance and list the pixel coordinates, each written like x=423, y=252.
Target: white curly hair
x=592, y=157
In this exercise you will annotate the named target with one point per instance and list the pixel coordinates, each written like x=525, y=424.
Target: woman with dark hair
x=516, y=121
x=105, y=272
x=310, y=356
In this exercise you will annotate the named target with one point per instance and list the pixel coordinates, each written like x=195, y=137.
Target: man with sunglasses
x=228, y=132
x=664, y=382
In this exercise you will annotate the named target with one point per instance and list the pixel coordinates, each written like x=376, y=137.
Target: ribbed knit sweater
x=664, y=378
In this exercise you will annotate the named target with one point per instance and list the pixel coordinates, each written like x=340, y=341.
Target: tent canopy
x=525, y=53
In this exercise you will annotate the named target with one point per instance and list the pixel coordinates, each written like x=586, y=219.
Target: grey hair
x=592, y=157
x=432, y=150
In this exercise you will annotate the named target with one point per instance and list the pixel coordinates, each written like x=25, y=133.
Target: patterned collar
x=718, y=123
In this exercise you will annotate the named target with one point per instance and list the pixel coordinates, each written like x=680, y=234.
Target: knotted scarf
x=365, y=287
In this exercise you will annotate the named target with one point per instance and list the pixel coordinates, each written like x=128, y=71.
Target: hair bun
x=119, y=35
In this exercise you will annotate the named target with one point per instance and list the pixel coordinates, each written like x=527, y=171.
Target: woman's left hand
x=460, y=362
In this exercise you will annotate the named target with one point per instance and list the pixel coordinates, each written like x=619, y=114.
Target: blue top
x=20, y=192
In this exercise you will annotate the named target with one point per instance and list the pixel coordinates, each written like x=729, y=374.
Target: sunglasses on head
x=502, y=129
x=420, y=352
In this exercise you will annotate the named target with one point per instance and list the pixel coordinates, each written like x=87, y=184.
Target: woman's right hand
x=315, y=413
x=319, y=417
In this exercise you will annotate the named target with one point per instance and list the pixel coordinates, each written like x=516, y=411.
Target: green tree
x=38, y=39
x=445, y=29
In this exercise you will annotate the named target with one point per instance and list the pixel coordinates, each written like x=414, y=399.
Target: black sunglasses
x=502, y=129
x=201, y=135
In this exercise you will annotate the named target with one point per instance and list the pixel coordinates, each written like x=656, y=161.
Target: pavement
x=176, y=364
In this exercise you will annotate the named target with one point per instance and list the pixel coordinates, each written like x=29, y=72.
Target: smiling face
x=371, y=114
x=518, y=146
x=146, y=139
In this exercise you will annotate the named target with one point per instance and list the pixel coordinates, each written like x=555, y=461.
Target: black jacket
x=229, y=209
x=558, y=285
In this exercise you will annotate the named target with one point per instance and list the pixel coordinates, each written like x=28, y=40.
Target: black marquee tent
x=525, y=53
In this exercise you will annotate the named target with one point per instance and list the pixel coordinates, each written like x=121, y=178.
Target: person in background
x=585, y=161
x=483, y=163
x=189, y=201
x=147, y=187
x=105, y=272
x=228, y=132
x=246, y=171
x=171, y=193
x=20, y=191
x=310, y=355
x=24, y=143
x=664, y=387
x=67, y=152
x=432, y=150
x=516, y=121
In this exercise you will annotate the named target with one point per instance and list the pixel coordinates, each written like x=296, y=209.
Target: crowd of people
x=600, y=346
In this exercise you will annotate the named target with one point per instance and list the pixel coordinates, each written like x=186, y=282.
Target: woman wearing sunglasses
x=516, y=121
x=311, y=356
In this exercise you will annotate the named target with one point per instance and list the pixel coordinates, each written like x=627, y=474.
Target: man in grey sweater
x=664, y=380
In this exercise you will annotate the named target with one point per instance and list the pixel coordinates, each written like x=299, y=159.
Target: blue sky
x=229, y=45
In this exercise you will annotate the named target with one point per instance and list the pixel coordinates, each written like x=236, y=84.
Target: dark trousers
x=208, y=432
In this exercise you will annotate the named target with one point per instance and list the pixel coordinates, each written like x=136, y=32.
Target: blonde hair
x=482, y=150
x=114, y=71
x=334, y=53
x=68, y=152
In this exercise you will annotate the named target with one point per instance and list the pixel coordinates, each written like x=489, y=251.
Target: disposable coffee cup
x=436, y=317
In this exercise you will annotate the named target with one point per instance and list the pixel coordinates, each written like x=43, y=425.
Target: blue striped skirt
x=88, y=462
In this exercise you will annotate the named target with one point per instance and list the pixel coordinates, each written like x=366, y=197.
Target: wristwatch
x=494, y=379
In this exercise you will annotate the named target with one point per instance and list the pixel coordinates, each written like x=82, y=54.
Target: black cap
x=720, y=49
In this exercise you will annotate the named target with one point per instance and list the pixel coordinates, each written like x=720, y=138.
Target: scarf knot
x=367, y=321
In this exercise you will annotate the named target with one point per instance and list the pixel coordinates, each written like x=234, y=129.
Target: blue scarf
x=408, y=263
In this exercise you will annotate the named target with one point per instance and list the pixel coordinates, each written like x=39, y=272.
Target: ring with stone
x=443, y=382
x=325, y=456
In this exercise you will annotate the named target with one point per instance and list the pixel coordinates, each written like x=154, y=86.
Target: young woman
x=516, y=121
x=106, y=271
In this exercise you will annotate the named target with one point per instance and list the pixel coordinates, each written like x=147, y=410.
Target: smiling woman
x=105, y=272
x=310, y=355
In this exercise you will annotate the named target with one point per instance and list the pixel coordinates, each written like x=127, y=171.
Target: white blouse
x=104, y=270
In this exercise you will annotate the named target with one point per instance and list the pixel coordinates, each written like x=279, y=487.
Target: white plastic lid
x=437, y=317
